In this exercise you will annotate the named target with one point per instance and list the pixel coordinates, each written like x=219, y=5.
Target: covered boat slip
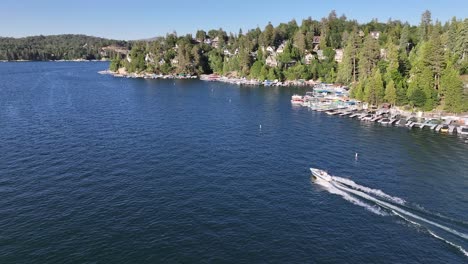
x=335, y=101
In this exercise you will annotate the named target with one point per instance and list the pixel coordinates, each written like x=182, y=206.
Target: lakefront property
x=424, y=66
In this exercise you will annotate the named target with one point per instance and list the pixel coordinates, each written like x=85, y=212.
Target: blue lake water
x=97, y=169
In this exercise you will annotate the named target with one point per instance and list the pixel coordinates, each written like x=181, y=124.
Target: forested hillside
x=391, y=61
x=58, y=47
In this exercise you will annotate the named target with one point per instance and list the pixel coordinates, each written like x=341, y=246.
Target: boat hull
x=320, y=175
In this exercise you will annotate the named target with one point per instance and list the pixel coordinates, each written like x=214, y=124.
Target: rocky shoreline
x=254, y=82
x=124, y=74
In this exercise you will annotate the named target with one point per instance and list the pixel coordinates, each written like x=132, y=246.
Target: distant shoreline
x=210, y=78
x=124, y=74
x=75, y=60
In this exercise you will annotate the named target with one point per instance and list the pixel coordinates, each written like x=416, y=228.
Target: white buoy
x=260, y=126
x=356, y=156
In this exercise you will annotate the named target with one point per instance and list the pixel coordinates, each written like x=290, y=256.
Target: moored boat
x=385, y=121
x=297, y=99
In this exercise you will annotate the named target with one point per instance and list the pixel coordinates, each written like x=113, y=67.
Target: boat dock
x=335, y=101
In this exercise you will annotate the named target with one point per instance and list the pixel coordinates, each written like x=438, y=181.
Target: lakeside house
x=281, y=47
x=316, y=42
x=320, y=55
x=215, y=43
x=271, y=61
x=308, y=58
x=339, y=55
x=108, y=51
x=383, y=53
x=375, y=34
x=253, y=54
x=149, y=58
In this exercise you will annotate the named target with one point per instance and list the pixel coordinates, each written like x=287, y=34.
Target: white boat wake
x=380, y=203
x=376, y=192
x=332, y=189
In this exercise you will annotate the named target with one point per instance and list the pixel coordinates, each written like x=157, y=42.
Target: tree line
x=57, y=47
x=393, y=62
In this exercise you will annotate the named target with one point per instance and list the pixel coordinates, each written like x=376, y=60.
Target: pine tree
x=402, y=99
x=422, y=76
x=391, y=93
x=433, y=55
x=267, y=38
x=452, y=88
x=452, y=34
x=358, y=90
x=115, y=64
x=368, y=57
x=461, y=42
x=374, y=90
x=347, y=69
x=300, y=42
x=404, y=38
x=425, y=25
x=324, y=32
x=393, y=66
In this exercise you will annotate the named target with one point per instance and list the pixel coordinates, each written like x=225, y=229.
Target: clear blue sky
x=138, y=19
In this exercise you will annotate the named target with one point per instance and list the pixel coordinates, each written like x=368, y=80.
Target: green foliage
x=425, y=26
x=347, y=70
x=452, y=88
x=418, y=98
x=115, y=64
x=368, y=57
x=216, y=61
x=401, y=89
x=374, y=89
x=299, y=71
x=391, y=93
x=255, y=71
x=290, y=53
x=231, y=65
x=137, y=58
x=358, y=90
x=272, y=74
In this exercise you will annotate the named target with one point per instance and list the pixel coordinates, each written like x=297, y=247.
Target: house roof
x=316, y=40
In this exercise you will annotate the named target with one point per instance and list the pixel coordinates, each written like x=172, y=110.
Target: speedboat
x=320, y=175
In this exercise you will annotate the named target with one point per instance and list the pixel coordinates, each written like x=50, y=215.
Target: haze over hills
x=60, y=47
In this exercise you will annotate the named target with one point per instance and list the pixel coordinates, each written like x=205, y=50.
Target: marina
x=335, y=101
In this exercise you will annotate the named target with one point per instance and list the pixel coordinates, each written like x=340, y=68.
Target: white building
x=271, y=61
x=308, y=58
x=338, y=55
x=375, y=34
